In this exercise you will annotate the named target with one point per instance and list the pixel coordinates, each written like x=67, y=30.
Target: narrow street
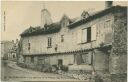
x=11, y=72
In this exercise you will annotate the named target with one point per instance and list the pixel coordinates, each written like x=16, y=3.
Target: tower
x=45, y=17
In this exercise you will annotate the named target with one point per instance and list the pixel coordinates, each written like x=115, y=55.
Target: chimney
x=108, y=4
x=45, y=18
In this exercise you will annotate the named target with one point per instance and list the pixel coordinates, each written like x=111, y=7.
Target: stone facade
x=39, y=43
x=105, y=53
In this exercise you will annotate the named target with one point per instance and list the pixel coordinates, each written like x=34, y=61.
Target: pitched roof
x=48, y=29
x=97, y=15
x=55, y=27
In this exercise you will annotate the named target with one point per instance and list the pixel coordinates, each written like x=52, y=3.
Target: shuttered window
x=86, y=35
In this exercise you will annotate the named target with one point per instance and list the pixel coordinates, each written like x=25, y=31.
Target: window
x=29, y=45
x=86, y=35
x=62, y=38
x=60, y=62
x=13, y=55
x=84, y=15
x=32, y=59
x=56, y=47
x=49, y=42
x=89, y=34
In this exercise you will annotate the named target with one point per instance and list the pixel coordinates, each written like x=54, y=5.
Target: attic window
x=64, y=23
x=84, y=15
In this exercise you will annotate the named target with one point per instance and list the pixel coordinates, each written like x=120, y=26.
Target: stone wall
x=100, y=61
x=118, y=59
x=39, y=43
x=67, y=59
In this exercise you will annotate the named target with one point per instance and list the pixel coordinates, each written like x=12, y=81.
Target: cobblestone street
x=11, y=72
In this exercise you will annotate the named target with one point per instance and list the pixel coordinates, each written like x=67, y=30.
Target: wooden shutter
x=93, y=32
x=84, y=35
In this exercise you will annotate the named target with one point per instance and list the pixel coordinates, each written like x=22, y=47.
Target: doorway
x=60, y=63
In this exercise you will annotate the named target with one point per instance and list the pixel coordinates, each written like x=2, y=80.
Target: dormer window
x=64, y=21
x=84, y=15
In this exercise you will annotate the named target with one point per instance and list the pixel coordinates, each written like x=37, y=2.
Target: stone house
x=12, y=55
x=92, y=42
x=8, y=49
x=5, y=48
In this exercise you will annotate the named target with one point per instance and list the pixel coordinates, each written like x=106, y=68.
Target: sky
x=20, y=15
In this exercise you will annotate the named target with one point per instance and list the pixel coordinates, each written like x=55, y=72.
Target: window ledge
x=87, y=42
x=49, y=47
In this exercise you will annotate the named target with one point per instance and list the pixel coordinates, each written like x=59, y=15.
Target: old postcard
x=64, y=41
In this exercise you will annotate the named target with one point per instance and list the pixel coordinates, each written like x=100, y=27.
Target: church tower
x=45, y=18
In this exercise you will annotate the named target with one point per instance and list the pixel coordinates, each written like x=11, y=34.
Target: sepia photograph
x=69, y=41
